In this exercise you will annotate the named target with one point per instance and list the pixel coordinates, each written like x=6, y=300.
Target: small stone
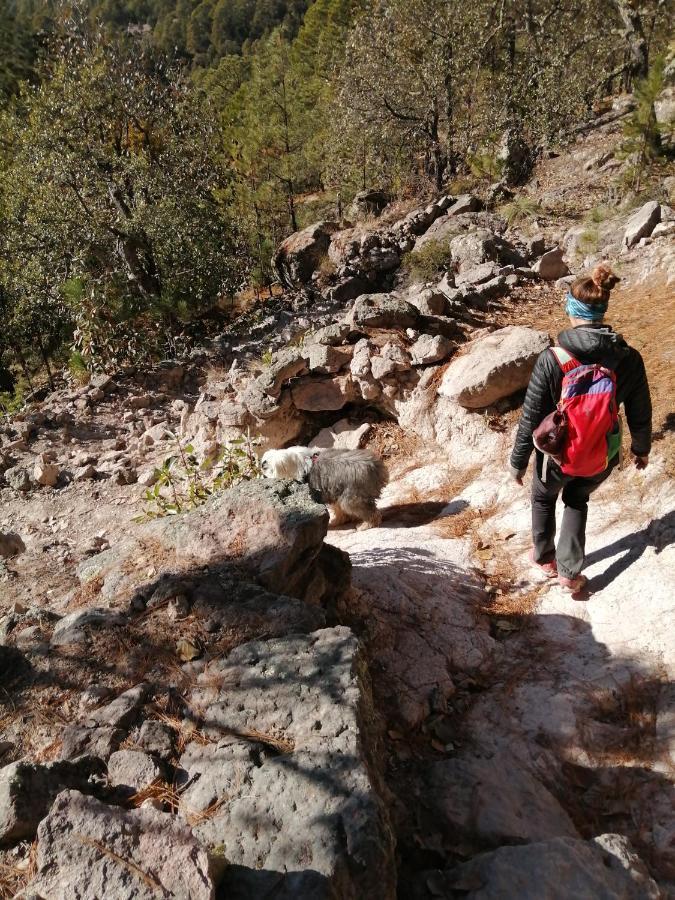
x=156, y=738
x=17, y=477
x=132, y=769
x=123, y=709
x=85, y=473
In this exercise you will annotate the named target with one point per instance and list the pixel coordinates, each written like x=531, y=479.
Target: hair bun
x=603, y=276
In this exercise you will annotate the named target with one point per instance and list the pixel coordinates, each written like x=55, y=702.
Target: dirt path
x=476, y=658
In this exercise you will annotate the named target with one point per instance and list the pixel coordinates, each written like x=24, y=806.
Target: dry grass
x=15, y=876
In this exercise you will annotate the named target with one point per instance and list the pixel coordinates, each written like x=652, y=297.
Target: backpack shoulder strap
x=564, y=359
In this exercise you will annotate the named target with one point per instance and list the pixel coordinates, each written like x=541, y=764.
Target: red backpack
x=583, y=433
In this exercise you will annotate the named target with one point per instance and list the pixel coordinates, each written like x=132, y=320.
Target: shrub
x=183, y=483
x=427, y=263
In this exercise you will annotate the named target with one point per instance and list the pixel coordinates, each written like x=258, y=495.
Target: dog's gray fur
x=349, y=481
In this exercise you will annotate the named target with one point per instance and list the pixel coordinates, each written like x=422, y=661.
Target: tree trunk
x=45, y=360
x=637, y=47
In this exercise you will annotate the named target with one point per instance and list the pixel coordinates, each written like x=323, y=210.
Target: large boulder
x=323, y=394
x=368, y=203
x=269, y=532
x=285, y=364
x=89, y=850
x=297, y=258
x=296, y=751
x=480, y=246
x=515, y=158
x=604, y=868
x=27, y=790
x=492, y=802
x=383, y=311
x=494, y=366
x=642, y=223
x=551, y=265
x=430, y=349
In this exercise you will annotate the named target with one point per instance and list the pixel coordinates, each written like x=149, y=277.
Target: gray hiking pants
x=575, y=494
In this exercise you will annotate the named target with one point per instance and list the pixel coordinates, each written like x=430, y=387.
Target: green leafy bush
x=430, y=261
x=183, y=483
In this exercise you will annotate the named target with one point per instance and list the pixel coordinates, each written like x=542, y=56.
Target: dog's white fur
x=348, y=481
x=293, y=463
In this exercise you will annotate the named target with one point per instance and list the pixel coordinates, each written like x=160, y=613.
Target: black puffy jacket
x=589, y=344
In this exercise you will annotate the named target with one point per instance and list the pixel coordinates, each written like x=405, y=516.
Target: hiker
x=595, y=371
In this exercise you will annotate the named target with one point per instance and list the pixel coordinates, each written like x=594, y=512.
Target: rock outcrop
x=295, y=747
x=89, y=850
x=494, y=366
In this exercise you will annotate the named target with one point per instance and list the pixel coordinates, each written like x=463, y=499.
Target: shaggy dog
x=348, y=481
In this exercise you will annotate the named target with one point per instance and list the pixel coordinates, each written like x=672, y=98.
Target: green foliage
x=643, y=135
x=115, y=226
x=12, y=401
x=183, y=483
x=77, y=366
x=427, y=263
x=521, y=209
x=484, y=165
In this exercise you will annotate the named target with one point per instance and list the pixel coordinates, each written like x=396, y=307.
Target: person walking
x=579, y=385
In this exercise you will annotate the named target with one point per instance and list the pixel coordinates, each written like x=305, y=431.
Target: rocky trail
x=239, y=702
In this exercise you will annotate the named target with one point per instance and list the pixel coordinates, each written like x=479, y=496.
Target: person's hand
x=641, y=461
x=517, y=475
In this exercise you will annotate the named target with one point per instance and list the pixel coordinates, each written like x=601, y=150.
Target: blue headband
x=592, y=312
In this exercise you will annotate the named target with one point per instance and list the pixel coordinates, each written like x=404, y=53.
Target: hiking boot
x=573, y=585
x=550, y=569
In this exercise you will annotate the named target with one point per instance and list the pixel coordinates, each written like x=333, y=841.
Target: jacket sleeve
x=540, y=400
x=638, y=405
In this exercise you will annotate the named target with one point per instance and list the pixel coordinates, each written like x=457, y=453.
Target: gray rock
x=368, y=203
x=360, y=362
x=306, y=774
x=272, y=531
x=11, y=544
x=101, y=741
x=331, y=335
x=101, y=382
x=430, y=301
x=488, y=290
x=477, y=274
x=492, y=802
x=27, y=790
x=299, y=255
x=89, y=850
x=156, y=738
x=383, y=311
x=535, y=246
x=430, y=349
x=239, y=607
x=343, y=436
x=17, y=477
x=325, y=360
x=132, y=769
x=464, y=204
x=123, y=709
x=494, y=366
x=556, y=870
x=71, y=629
x=516, y=158
x=285, y=364
x=85, y=473
x=551, y=265
x=320, y=394
x=642, y=223
x=480, y=246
